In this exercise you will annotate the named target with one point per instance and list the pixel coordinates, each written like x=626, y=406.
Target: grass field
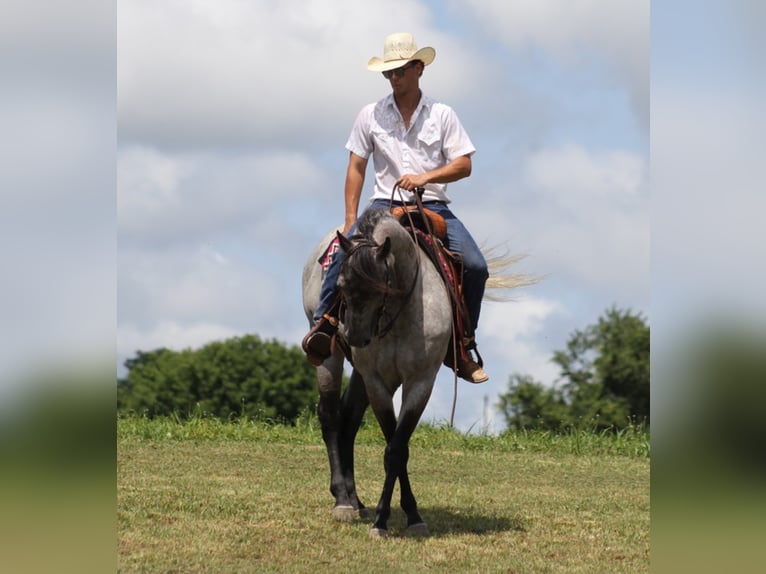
x=206, y=496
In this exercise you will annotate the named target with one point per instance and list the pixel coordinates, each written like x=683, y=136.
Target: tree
x=605, y=370
x=242, y=375
x=604, y=379
x=528, y=404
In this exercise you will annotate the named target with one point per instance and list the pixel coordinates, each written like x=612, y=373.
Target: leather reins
x=417, y=194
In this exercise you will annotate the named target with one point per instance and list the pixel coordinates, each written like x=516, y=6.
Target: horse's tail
x=501, y=279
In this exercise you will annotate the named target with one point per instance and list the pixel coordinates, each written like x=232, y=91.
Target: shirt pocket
x=430, y=139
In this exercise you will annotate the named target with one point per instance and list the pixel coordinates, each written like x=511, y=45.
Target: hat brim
x=425, y=55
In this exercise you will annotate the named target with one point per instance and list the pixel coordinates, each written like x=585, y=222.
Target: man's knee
x=475, y=265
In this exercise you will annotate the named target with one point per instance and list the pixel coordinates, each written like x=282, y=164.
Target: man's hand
x=410, y=181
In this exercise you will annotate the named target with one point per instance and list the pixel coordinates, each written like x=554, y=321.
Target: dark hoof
x=378, y=533
x=419, y=530
x=345, y=513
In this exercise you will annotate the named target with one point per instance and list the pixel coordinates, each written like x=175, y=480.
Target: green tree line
x=603, y=382
x=241, y=376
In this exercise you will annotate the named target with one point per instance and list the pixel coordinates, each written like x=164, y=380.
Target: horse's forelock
x=361, y=265
x=364, y=271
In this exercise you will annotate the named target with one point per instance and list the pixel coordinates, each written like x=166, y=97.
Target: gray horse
x=398, y=321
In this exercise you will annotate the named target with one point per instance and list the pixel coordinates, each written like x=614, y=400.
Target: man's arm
x=458, y=168
x=357, y=166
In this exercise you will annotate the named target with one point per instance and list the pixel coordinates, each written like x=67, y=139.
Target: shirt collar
x=424, y=103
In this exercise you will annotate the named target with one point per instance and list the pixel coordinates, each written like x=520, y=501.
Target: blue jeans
x=459, y=240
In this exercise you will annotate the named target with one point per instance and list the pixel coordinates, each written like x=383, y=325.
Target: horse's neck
x=403, y=248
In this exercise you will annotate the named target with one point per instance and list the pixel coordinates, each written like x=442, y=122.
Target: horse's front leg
x=354, y=404
x=397, y=454
x=414, y=400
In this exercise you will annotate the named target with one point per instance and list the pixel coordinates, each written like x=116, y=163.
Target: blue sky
x=230, y=163
x=214, y=107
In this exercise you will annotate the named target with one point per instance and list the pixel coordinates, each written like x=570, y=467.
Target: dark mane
x=361, y=263
x=368, y=221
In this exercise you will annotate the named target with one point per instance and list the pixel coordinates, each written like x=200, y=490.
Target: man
x=414, y=141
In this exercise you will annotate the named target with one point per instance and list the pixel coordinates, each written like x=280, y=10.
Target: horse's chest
x=395, y=364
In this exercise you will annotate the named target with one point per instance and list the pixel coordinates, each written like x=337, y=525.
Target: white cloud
x=175, y=196
x=591, y=216
x=509, y=332
x=253, y=73
x=170, y=335
x=191, y=294
x=576, y=33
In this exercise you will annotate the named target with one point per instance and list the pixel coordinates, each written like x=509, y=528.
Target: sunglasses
x=399, y=72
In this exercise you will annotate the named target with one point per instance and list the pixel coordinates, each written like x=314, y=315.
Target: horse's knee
x=328, y=412
x=396, y=456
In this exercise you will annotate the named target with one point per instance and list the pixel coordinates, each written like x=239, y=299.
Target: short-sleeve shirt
x=435, y=138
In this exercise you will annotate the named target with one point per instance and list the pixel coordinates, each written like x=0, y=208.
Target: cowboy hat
x=398, y=50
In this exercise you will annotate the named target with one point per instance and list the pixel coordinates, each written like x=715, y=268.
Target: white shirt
x=435, y=138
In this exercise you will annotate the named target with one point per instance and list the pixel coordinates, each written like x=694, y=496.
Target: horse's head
x=364, y=280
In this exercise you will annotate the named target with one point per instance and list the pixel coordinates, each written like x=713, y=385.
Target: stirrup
x=319, y=342
x=468, y=369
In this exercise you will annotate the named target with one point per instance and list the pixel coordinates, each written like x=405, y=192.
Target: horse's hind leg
x=354, y=404
x=329, y=412
x=383, y=407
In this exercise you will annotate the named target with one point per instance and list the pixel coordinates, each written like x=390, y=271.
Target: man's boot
x=467, y=369
x=318, y=343
x=471, y=371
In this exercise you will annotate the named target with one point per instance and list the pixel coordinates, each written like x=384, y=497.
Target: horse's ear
x=384, y=249
x=345, y=242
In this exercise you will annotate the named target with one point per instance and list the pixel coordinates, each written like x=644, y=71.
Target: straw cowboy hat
x=398, y=50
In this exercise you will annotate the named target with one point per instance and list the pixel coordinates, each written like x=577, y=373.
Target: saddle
x=411, y=215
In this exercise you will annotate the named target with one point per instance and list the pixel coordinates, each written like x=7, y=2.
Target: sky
x=232, y=121
x=165, y=168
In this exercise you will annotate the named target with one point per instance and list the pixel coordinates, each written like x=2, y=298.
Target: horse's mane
x=368, y=221
x=362, y=258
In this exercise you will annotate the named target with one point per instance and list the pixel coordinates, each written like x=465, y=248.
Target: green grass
x=245, y=496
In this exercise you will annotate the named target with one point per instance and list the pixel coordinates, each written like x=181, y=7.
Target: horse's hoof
x=419, y=530
x=345, y=513
x=378, y=533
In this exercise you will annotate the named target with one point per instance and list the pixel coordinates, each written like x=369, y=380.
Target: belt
x=434, y=202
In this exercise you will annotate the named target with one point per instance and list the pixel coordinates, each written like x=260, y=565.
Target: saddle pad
x=329, y=253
